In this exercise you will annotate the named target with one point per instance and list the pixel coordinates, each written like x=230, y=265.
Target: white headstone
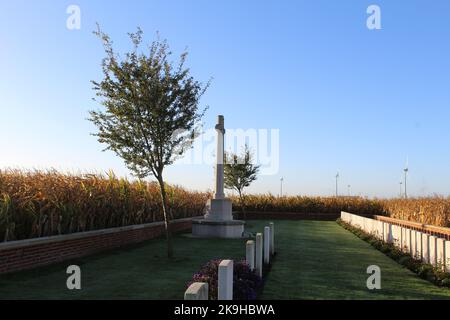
x=419, y=244
x=374, y=227
x=225, y=279
x=250, y=254
x=447, y=256
x=440, y=250
x=272, y=238
x=387, y=233
x=433, y=250
x=367, y=225
x=425, y=248
x=371, y=224
x=364, y=225
x=267, y=245
x=404, y=237
x=379, y=232
x=407, y=240
x=382, y=234
x=259, y=254
x=413, y=247
x=396, y=235
x=197, y=291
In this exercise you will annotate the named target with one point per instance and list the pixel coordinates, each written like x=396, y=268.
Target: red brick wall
x=27, y=254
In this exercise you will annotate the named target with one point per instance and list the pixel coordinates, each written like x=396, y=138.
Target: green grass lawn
x=321, y=260
x=315, y=260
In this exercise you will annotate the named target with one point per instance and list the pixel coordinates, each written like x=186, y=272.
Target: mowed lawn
x=321, y=260
x=315, y=260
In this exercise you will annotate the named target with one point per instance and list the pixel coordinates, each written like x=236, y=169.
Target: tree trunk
x=241, y=199
x=166, y=217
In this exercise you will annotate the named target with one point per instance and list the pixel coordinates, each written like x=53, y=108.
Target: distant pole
x=281, y=187
x=406, y=172
x=401, y=189
x=349, y=186
x=337, y=176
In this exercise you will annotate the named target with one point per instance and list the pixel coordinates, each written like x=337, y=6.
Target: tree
x=239, y=173
x=151, y=110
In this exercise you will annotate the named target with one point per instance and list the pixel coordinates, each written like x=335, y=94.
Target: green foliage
x=151, y=106
x=240, y=172
x=151, y=110
x=446, y=281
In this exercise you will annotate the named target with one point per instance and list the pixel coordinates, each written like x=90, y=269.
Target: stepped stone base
x=219, y=209
x=205, y=228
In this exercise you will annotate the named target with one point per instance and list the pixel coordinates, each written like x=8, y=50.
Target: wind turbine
x=401, y=188
x=406, y=173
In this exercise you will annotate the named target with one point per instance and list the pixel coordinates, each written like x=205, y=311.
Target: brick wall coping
x=80, y=235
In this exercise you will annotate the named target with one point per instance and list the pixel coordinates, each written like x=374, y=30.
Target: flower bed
x=246, y=283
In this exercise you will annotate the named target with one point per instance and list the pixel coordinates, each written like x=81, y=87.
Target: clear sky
x=344, y=98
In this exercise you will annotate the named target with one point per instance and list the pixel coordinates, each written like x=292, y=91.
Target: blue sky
x=345, y=98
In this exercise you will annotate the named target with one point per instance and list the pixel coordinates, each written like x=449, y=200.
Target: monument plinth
x=218, y=221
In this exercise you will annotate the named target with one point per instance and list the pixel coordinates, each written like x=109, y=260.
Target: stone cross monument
x=220, y=128
x=218, y=221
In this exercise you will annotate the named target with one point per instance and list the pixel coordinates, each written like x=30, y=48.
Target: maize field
x=44, y=203
x=428, y=210
x=38, y=204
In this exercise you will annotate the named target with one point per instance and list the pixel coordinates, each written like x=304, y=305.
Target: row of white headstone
x=422, y=246
x=261, y=251
x=264, y=247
